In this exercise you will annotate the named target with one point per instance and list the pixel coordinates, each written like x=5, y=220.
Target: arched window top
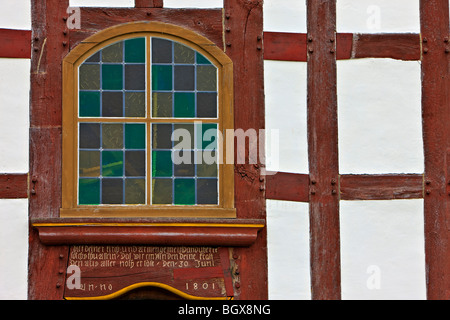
x=145, y=106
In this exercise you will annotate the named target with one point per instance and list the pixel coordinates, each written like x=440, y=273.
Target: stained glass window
x=148, y=125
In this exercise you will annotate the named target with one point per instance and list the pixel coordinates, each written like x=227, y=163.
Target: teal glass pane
x=112, y=77
x=162, y=163
x=162, y=191
x=201, y=59
x=135, y=50
x=184, y=105
x=112, y=163
x=89, y=104
x=184, y=191
x=135, y=191
x=207, y=136
x=89, y=191
x=89, y=77
x=113, y=53
x=135, y=136
x=161, y=77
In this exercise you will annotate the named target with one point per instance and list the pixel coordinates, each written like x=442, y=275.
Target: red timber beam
x=434, y=19
x=323, y=151
x=13, y=186
x=293, y=46
x=148, y=3
x=15, y=43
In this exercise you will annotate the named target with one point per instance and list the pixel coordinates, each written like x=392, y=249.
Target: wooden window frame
x=70, y=208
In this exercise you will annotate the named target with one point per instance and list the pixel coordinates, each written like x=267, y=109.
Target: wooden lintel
x=13, y=186
x=293, y=46
x=15, y=43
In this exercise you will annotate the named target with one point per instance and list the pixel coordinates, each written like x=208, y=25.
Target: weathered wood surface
x=293, y=46
x=148, y=3
x=434, y=18
x=243, y=26
x=287, y=186
x=13, y=186
x=323, y=151
x=15, y=43
x=206, y=22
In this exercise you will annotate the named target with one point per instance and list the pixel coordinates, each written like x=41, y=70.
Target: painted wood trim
x=156, y=235
x=323, y=151
x=284, y=46
x=434, y=19
x=15, y=43
x=381, y=187
x=13, y=186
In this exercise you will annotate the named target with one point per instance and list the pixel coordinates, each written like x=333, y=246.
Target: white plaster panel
x=101, y=3
x=15, y=14
x=14, y=249
x=382, y=250
x=285, y=15
x=193, y=3
x=288, y=250
x=14, y=115
x=379, y=114
x=285, y=88
x=377, y=16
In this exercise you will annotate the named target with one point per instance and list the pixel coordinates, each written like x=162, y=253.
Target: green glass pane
x=89, y=77
x=112, y=136
x=134, y=104
x=135, y=136
x=184, y=105
x=89, y=191
x=184, y=190
x=135, y=191
x=207, y=136
x=113, y=53
x=183, y=54
x=206, y=78
x=112, y=163
x=89, y=104
x=162, y=104
x=162, y=191
x=161, y=77
x=207, y=165
x=162, y=136
x=161, y=163
x=207, y=191
x=135, y=50
x=112, y=191
x=89, y=163
x=112, y=77
x=184, y=137
x=201, y=59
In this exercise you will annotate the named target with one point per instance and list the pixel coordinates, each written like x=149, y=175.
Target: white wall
x=382, y=241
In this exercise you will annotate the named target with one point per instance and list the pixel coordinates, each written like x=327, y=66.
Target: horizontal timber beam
x=15, y=43
x=296, y=187
x=13, y=186
x=293, y=46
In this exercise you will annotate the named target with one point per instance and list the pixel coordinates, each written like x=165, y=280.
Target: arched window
x=145, y=109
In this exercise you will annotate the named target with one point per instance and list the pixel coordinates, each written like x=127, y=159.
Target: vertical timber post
x=323, y=151
x=435, y=110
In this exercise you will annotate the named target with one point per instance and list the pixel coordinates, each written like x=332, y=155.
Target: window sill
x=157, y=232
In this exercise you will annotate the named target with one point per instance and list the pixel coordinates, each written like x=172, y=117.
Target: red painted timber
x=434, y=18
x=148, y=3
x=13, y=186
x=293, y=46
x=15, y=43
x=381, y=187
x=287, y=186
x=323, y=151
